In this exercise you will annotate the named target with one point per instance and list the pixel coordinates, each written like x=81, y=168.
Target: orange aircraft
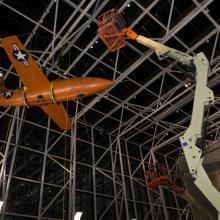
x=38, y=90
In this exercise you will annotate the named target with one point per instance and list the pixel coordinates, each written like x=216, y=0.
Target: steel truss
x=49, y=174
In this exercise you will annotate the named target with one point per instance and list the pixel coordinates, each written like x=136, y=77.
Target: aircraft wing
x=31, y=75
x=58, y=114
x=27, y=69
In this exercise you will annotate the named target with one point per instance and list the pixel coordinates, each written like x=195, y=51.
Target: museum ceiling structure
x=99, y=166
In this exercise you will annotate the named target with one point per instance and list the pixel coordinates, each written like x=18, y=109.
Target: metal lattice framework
x=99, y=166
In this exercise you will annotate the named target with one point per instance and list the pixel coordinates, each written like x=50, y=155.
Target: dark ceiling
x=149, y=104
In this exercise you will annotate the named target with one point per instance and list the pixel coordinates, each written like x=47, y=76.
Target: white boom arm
x=203, y=96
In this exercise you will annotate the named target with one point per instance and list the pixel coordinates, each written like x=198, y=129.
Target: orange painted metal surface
x=28, y=70
x=112, y=30
x=131, y=34
x=39, y=91
x=157, y=175
x=56, y=91
x=58, y=114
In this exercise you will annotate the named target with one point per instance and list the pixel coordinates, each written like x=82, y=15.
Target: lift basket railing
x=111, y=28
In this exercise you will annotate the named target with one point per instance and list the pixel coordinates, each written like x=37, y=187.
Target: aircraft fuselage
x=54, y=92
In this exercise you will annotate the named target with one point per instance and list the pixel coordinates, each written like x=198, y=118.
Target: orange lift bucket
x=111, y=28
x=157, y=175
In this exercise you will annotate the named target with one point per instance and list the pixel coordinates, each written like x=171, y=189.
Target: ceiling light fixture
x=1, y=204
x=78, y=215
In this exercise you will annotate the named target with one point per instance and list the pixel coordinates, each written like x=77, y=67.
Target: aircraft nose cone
x=97, y=85
x=104, y=83
x=91, y=85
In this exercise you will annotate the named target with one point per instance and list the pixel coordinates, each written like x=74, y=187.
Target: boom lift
x=113, y=32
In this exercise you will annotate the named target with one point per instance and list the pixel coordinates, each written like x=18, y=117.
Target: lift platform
x=157, y=175
x=111, y=30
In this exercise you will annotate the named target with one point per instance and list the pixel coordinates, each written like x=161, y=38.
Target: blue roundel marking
x=20, y=55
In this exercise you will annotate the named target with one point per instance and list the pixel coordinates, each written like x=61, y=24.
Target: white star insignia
x=8, y=94
x=20, y=55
